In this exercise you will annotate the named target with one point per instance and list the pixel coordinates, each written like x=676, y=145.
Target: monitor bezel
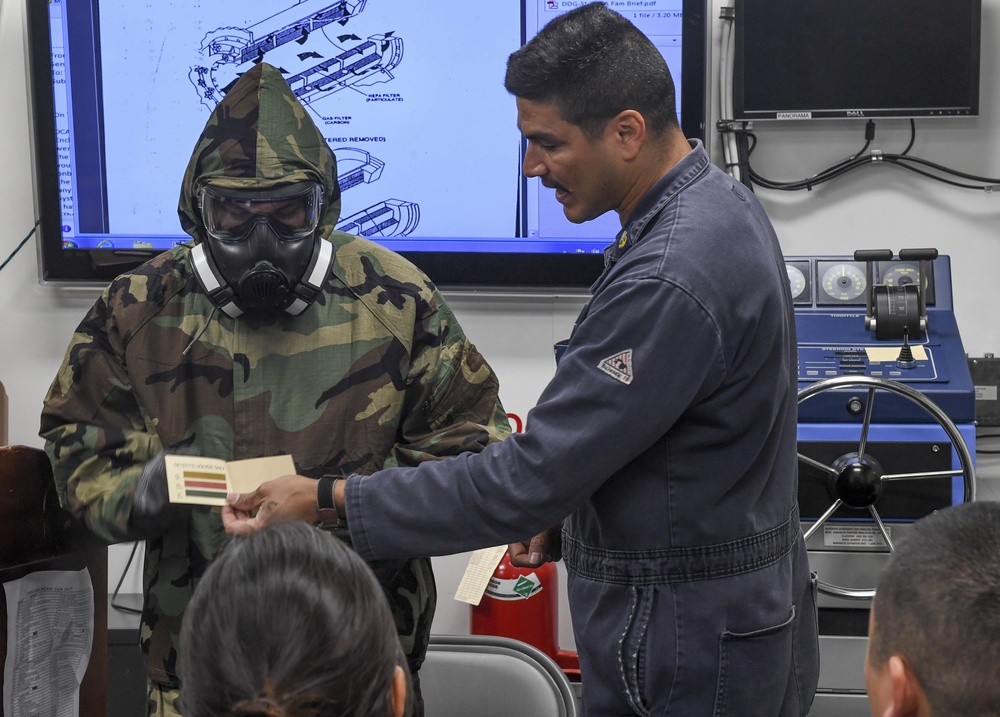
x=461, y=271
x=797, y=109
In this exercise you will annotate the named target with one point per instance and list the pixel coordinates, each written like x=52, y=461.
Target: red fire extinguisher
x=523, y=603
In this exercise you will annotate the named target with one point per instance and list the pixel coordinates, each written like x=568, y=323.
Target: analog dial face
x=901, y=275
x=844, y=282
x=796, y=280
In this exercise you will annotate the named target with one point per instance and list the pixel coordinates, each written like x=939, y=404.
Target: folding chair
x=487, y=676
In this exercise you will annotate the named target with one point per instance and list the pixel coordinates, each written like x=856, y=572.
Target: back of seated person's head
x=933, y=647
x=289, y=622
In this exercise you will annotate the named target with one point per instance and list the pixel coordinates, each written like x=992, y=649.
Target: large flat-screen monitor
x=408, y=94
x=818, y=59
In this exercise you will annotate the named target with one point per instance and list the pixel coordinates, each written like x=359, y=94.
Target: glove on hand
x=151, y=511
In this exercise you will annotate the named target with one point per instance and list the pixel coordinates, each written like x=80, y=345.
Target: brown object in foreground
x=36, y=534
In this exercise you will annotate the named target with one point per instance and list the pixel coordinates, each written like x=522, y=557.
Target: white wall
x=878, y=207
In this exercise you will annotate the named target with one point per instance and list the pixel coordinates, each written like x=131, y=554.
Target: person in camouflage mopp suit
x=351, y=362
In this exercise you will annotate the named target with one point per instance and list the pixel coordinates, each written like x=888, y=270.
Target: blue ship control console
x=886, y=415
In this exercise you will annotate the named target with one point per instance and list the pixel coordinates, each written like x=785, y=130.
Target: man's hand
x=542, y=548
x=291, y=497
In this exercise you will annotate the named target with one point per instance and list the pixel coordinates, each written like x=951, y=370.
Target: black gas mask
x=262, y=253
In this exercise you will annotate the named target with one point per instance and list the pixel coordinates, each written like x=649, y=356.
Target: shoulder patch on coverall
x=618, y=366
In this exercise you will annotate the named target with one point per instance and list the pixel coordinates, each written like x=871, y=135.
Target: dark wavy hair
x=288, y=622
x=593, y=64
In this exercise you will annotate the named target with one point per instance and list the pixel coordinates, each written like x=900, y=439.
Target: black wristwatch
x=328, y=515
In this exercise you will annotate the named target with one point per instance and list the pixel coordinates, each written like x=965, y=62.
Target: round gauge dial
x=796, y=280
x=901, y=275
x=844, y=282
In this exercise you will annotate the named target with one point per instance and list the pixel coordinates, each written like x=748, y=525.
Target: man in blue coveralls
x=667, y=437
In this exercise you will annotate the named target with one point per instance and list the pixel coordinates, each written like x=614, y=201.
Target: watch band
x=328, y=515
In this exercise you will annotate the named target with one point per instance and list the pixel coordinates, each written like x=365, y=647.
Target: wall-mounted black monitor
x=816, y=59
x=412, y=102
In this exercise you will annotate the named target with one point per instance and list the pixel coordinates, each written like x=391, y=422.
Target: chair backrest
x=32, y=525
x=483, y=676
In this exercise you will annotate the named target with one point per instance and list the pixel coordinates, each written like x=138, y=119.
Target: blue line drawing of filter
x=356, y=166
x=300, y=42
x=393, y=217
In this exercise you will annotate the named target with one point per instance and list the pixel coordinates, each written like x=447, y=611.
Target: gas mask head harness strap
x=262, y=252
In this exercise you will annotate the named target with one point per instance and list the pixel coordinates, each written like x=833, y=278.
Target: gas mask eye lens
x=291, y=212
x=233, y=218
x=291, y=215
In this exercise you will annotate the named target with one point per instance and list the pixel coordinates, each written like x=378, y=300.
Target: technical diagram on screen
x=312, y=47
x=411, y=99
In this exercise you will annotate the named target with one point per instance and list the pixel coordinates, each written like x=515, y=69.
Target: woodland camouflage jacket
x=376, y=373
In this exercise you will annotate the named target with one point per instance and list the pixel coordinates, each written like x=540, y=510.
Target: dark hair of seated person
x=932, y=646
x=290, y=622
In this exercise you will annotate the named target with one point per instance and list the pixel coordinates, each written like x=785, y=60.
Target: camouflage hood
x=259, y=136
